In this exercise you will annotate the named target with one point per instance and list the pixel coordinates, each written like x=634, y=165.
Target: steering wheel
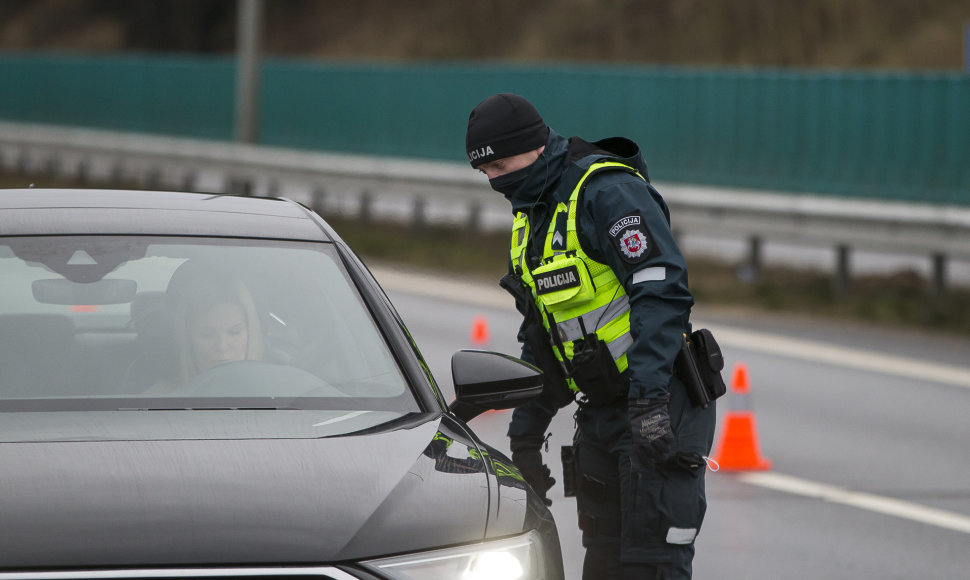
x=247, y=378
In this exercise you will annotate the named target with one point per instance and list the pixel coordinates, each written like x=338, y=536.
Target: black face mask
x=510, y=182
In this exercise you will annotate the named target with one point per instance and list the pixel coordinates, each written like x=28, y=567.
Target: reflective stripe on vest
x=596, y=302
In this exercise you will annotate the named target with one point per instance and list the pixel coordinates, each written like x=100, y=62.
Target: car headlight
x=518, y=558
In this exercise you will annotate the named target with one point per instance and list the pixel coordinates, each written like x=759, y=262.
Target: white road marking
x=866, y=501
x=844, y=356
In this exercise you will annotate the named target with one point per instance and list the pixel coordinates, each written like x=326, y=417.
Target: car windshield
x=134, y=323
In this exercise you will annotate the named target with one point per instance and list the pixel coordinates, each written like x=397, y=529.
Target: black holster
x=568, y=471
x=594, y=372
x=698, y=365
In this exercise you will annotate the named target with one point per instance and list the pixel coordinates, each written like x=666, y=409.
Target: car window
x=111, y=322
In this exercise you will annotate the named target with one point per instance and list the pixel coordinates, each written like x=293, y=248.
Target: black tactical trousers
x=604, y=563
x=639, y=519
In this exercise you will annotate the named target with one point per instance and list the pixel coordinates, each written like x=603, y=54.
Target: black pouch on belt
x=688, y=372
x=568, y=471
x=698, y=365
x=710, y=362
x=595, y=372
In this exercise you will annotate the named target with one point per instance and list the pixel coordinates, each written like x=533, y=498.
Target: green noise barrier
x=874, y=135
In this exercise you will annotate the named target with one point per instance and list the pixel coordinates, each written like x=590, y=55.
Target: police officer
x=603, y=290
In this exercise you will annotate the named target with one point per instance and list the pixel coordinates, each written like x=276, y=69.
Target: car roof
x=101, y=211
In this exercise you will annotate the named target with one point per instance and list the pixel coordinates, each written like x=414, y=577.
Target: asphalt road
x=866, y=431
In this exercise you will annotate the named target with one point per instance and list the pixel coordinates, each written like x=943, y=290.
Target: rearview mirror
x=104, y=291
x=487, y=381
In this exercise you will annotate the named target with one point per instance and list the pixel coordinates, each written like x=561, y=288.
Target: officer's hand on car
x=526, y=456
x=653, y=437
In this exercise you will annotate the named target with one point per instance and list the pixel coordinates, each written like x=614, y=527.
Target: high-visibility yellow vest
x=576, y=295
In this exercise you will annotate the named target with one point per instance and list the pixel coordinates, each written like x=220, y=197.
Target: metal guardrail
x=382, y=187
x=438, y=192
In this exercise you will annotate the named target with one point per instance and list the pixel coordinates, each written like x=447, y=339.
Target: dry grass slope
x=811, y=33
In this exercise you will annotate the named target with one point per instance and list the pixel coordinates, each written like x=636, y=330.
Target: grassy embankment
x=903, y=299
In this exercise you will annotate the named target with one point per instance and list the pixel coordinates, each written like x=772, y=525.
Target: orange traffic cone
x=738, y=447
x=479, y=334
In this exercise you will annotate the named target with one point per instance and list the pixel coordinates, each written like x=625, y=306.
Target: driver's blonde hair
x=198, y=296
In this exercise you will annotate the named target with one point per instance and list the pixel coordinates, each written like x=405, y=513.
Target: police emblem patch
x=633, y=243
x=631, y=238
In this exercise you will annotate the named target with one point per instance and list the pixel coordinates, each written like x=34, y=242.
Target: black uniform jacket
x=654, y=278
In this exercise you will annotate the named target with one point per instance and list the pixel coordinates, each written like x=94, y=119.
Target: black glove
x=650, y=426
x=526, y=456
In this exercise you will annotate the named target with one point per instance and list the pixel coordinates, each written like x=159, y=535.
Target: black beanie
x=501, y=126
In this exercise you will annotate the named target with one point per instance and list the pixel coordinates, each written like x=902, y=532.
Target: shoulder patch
x=631, y=239
x=630, y=220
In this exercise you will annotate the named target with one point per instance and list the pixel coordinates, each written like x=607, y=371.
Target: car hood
x=236, y=501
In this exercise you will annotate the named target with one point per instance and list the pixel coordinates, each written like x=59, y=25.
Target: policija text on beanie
x=501, y=126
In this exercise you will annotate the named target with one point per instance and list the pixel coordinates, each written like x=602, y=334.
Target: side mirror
x=487, y=381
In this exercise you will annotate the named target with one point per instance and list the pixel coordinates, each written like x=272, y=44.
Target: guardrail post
x=419, y=217
x=239, y=186
x=750, y=269
x=52, y=167
x=842, y=267
x=939, y=273
x=317, y=199
x=188, y=181
x=366, y=213
x=475, y=217
x=117, y=173
x=23, y=162
x=84, y=170
x=153, y=178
